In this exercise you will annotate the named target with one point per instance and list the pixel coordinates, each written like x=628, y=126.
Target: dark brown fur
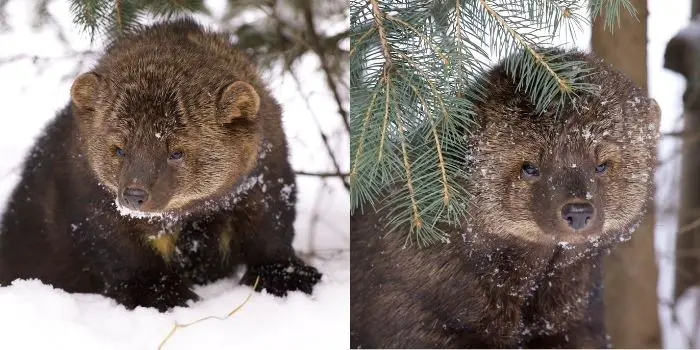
x=172, y=87
x=514, y=274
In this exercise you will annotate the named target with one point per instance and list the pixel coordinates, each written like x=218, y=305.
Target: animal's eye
x=602, y=167
x=177, y=155
x=119, y=152
x=530, y=170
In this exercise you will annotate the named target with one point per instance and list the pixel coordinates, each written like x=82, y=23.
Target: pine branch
x=612, y=11
x=113, y=18
x=378, y=20
x=436, y=137
x=89, y=14
x=417, y=222
x=362, y=138
x=563, y=84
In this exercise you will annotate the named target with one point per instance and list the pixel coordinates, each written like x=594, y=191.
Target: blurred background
x=652, y=282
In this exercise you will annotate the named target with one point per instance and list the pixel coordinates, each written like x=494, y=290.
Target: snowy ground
x=35, y=316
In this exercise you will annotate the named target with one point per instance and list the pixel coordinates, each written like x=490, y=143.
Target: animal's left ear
x=83, y=91
x=239, y=100
x=654, y=115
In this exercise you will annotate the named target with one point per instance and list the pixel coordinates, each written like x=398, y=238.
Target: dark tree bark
x=695, y=8
x=630, y=271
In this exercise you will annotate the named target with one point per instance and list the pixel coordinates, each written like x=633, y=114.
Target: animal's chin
x=569, y=240
x=146, y=213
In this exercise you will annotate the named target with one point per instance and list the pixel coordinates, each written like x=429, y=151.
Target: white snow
x=684, y=325
x=36, y=316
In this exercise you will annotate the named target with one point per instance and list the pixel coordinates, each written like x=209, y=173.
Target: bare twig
x=323, y=135
x=315, y=218
x=321, y=53
x=176, y=326
x=37, y=59
x=322, y=174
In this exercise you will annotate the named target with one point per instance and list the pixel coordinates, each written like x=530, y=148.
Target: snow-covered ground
x=36, y=316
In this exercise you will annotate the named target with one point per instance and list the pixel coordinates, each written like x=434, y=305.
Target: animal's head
x=584, y=175
x=162, y=144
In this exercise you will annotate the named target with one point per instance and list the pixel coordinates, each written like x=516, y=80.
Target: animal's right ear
x=239, y=100
x=84, y=90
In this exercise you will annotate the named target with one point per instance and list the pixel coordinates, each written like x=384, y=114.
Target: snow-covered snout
x=565, y=189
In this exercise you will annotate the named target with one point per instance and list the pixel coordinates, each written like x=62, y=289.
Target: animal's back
x=55, y=190
x=398, y=293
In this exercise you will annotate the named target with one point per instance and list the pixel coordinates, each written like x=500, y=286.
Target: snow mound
x=37, y=316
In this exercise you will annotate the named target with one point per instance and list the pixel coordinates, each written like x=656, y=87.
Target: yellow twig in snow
x=185, y=325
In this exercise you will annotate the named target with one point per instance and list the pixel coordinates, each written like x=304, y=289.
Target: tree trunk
x=694, y=8
x=630, y=271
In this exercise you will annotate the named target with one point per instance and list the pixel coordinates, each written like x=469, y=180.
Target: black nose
x=577, y=215
x=134, y=197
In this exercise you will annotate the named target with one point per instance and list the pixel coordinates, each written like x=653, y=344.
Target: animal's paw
x=162, y=295
x=280, y=278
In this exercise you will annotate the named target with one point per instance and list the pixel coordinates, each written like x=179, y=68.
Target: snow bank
x=36, y=316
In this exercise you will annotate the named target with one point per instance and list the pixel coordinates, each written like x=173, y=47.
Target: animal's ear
x=239, y=100
x=654, y=113
x=84, y=90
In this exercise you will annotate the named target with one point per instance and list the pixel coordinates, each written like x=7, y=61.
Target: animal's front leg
x=280, y=277
x=133, y=273
x=162, y=290
x=269, y=255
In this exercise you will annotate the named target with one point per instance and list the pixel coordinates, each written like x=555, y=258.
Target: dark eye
x=530, y=170
x=177, y=155
x=120, y=152
x=602, y=167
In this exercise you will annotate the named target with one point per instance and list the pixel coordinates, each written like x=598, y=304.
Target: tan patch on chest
x=164, y=242
x=225, y=241
x=164, y=245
